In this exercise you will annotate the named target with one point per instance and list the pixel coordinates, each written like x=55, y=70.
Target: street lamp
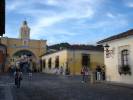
x=108, y=52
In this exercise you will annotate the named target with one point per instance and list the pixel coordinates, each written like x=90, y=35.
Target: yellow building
x=73, y=58
x=22, y=49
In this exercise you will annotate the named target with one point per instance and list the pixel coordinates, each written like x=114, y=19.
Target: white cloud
x=71, y=9
x=76, y=8
x=110, y=15
x=52, y=2
x=83, y=16
x=110, y=22
x=15, y=5
x=42, y=23
x=128, y=3
x=47, y=18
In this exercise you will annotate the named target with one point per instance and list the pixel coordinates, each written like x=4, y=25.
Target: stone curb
x=124, y=85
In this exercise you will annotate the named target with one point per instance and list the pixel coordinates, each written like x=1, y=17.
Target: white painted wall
x=112, y=63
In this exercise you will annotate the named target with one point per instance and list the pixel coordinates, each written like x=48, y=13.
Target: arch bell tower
x=24, y=31
x=23, y=49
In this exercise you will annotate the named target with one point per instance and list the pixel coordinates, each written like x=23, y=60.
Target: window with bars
x=44, y=63
x=86, y=60
x=49, y=63
x=125, y=67
x=124, y=57
x=57, y=62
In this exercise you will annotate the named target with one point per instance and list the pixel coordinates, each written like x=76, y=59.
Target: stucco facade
x=112, y=63
x=115, y=60
x=16, y=47
x=73, y=60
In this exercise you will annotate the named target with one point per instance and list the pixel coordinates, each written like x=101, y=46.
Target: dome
x=25, y=22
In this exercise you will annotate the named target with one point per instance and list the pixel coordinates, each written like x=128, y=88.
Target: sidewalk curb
x=124, y=85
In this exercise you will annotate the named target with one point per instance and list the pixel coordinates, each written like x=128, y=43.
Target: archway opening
x=24, y=60
x=3, y=54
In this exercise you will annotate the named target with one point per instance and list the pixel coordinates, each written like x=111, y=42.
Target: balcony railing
x=124, y=69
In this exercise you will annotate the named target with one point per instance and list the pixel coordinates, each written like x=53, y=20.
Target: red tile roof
x=77, y=47
x=86, y=47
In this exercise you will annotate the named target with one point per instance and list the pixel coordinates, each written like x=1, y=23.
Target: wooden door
x=1, y=57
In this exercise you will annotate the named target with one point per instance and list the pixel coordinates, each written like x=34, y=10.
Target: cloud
x=110, y=15
x=128, y=3
x=67, y=9
x=109, y=23
x=71, y=9
x=52, y=12
x=106, y=22
x=65, y=18
x=15, y=4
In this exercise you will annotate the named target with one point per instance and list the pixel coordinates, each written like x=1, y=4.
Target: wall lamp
x=109, y=52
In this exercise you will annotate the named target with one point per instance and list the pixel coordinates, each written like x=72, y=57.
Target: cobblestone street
x=51, y=87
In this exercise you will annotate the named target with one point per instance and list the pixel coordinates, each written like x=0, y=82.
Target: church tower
x=24, y=31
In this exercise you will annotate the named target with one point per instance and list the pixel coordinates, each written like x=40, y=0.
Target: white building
x=118, y=57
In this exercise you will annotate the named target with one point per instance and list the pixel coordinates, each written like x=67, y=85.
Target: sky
x=72, y=21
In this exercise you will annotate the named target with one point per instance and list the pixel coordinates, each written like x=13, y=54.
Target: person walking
x=84, y=73
x=103, y=72
x=18, y=78
x=30, y=75
x=61, y=70
x=67, y=71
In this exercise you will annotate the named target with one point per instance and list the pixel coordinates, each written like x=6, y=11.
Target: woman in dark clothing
x=103, y=72
x=18, y=77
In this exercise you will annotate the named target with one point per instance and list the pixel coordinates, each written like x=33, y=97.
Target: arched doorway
x=3, y=53
x=25, y=60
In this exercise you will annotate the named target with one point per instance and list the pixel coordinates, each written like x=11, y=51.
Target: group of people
x=99, y=73
x=85, y=72
x=18, y=76
x=58, y=70
x=61, y=71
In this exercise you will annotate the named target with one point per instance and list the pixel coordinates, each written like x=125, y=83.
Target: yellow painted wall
x=37, y=47
x=74, y=60
x=96, y=58
x=62, y=60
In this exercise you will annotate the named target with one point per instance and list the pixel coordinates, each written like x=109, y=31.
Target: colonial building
x=118, y=57
x=22, y=49
x=73, y=58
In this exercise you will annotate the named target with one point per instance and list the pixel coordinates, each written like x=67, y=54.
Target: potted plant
x=125, y=69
